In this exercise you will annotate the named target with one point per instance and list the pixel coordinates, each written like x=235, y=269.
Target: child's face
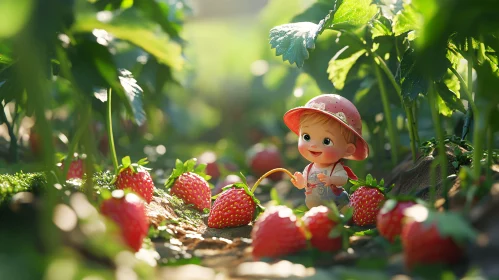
x=321, y=144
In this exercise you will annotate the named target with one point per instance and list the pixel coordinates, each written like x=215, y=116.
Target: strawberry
x=263, y=158
x=326, y=227
x=235, y=206
x=389, y=220
x=76, y=166
x=189, y=183
x=431, y=237
x=136, y=177
x=276, y=233
x=129, y=213
x=366, y=200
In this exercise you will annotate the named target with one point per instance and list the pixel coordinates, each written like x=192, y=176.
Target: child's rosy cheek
x=330, y=153
x=302, y=147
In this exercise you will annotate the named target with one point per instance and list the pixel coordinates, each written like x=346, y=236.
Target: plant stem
x=490, y=142
x=480, y=118
x=469, y=113
x=468, y=89
x=465, y=86
x=14, y=156
x=414, y=110
x=442, y=157
x=388, y=117
x=267, y=174
x=109, y=124
x=411, y=126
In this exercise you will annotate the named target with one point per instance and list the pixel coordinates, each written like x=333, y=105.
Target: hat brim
x=292, y=121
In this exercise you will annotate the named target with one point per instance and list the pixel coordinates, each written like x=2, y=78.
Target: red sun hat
x=338, y=108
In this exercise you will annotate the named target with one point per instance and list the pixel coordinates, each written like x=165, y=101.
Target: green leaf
x=14, y=14
x=406, y=20
x=131, y=27
x=133, y=94
x=315, y=13
x=352, y=14
x=450, y=98
x=381, y=27
x=293, y=40
x=159, y=12
x=338, y=68
x=412, y=82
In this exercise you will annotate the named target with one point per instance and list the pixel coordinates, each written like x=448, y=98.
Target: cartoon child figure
x=330, y=129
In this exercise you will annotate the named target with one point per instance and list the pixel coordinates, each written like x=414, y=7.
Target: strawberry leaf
x=293, y=40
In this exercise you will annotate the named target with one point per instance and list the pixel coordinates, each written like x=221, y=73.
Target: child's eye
x=306, y=137
x=327, y=142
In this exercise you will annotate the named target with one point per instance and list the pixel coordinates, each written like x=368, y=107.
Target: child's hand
x=324, y=179
x=299, y=181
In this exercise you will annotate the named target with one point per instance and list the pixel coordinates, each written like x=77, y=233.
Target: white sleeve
x=339, y=171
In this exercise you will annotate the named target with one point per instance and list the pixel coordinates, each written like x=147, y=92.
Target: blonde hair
x=323, y=119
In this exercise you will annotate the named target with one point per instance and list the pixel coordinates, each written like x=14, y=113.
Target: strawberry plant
x=189, y=182
x=367, y=198
x=136, y=177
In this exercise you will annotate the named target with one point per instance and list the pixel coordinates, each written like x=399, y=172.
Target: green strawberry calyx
x=184, y=167
x=126, y=163
x=370, y=182
x=448, y=224
x=393, y=200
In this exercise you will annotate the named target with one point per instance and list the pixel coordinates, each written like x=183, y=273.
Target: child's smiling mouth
x=315, y=154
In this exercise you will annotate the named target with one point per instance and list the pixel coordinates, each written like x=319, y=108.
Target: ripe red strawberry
x=129, y=213
x=234, y=207
x=326, y=228
x=431, y=237
x=76, y=167
x=263, y=158
x=136, y=177
x=389, y=220
x=189, y=182
x=276, y=233
x=366, y=200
